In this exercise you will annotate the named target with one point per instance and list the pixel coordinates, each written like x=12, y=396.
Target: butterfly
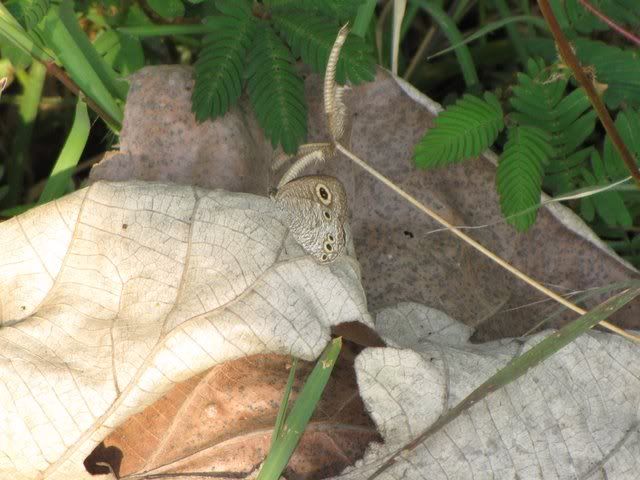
x=316, y=209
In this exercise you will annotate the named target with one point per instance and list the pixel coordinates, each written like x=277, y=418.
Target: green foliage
x=464, y=130
x=276, y=92
x=540, y=100
x=519, y=175
x=616, y=69
x=122, y=52
x=548, y=138
x=311, y=38
x=167, y=8
x=244, y=45
x=609, y=205
x=29, y=12
x=221, y=62
x=625, y=12
x=628, y=125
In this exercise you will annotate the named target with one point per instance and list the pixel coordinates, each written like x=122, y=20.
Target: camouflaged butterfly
x=316, y=208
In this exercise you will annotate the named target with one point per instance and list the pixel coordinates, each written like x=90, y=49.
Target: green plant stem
x=419, y=55
x=428, y=38
x=164, y=30
x=514, y=36
x=571, y=60
x=27, y=112
x=450, y=30
x=490, y=27
x=297, y=420
x=382, y=19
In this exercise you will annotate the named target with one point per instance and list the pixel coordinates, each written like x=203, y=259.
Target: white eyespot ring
x=324, y=257
x=323, y=193
x=328, y=247
x=330, y=238
x=327, y=215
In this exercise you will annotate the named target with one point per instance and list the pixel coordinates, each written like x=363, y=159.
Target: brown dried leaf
x=222, y=420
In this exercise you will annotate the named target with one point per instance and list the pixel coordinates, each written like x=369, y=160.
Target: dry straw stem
x=457, y=232
x=488, y=253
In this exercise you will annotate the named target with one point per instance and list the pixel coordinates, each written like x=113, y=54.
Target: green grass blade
x=116, y=86
x=69, y=156
x=490, y=27
x=284, y=405
x=522, y=364
x=301, y=412
x=32, y=84
x=164, y=30
x=12, y=33
x=366, y=12
x=454, y=36
x=514, y=36
x=65, y=43
x=563, y=337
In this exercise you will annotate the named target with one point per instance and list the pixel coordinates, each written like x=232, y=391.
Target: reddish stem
x=62, y=76
x=621, y=30
x=570, y=59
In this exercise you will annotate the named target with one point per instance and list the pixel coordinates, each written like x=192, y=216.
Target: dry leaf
x=222, y=420
x=402, y=260
x=112, y=295
x=575, y=416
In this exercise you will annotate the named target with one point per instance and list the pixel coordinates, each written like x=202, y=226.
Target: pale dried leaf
x=575, y=416
x=115, y=293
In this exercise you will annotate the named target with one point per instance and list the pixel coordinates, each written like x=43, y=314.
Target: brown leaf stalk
x=68, y=82
x=571, y=60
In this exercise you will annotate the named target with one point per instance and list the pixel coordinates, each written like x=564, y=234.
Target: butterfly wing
x=317, y=211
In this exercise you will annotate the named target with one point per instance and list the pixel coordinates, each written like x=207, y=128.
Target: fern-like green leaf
x=539, y=100
x=342, y=10
x=462, y=131
x=167, y=8
x=311, y=38
x=220, y=65
x=628, y=125
x=29, y=12
x=609, y=205
x=519, y=175
x=615, y=68
x=276, y=91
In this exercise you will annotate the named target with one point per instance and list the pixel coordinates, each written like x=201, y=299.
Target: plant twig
x=632, y=37
x=571, y=60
